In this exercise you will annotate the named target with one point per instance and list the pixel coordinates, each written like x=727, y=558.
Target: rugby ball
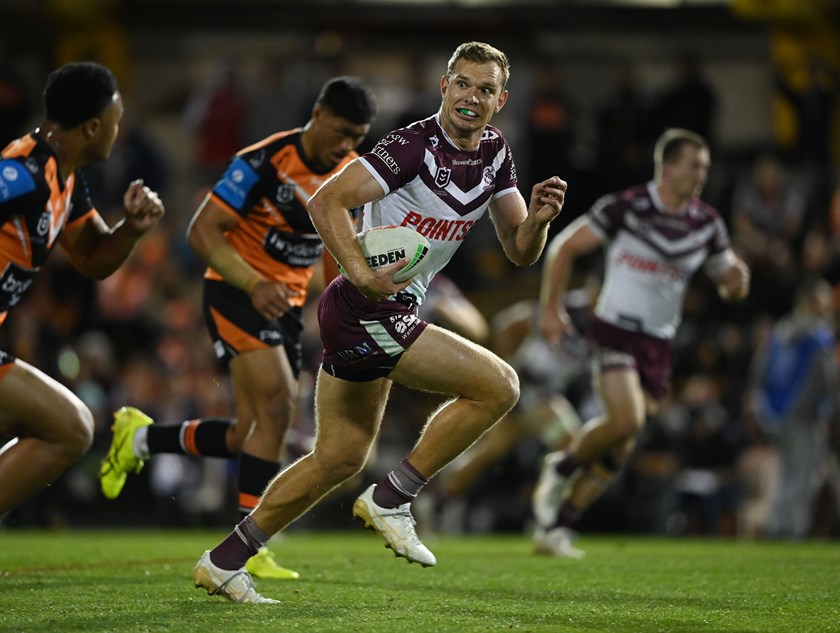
x=385, y=245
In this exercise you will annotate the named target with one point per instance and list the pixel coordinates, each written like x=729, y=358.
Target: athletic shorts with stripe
x=616, y=348
x=236, y=327
x=364, y=339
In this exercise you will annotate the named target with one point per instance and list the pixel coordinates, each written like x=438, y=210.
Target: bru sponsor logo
x=438, y=228
x=363, y=349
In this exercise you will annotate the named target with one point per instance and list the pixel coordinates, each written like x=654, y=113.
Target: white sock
x=140, y=443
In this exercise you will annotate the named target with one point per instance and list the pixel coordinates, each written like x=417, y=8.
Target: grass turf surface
x=141, y=581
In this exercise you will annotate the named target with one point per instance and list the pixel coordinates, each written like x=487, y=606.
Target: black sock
x=400, y=486
x=245, y=541
x=203, y=437
x=254, y=477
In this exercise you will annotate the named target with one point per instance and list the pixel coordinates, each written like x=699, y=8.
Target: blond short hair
x=481, y=53
x=669, y=146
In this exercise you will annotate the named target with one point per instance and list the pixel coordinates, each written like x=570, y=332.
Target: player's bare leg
x=624, y=403
x=349, y=415
x=484, y=387
x=266, y=391
x=54, y=429
x=572, y=481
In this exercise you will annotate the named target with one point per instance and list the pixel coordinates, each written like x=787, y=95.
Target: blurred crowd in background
x=709, y=464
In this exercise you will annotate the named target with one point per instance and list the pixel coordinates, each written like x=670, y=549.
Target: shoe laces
x=403, y=515
x=246, y=578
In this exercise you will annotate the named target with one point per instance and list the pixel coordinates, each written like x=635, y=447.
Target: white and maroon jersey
x=435, y=188
x=651, y=256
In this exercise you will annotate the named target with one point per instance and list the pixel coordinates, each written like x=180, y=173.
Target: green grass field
x=141, y=581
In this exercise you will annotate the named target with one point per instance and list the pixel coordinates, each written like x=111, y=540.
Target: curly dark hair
x=77, y=92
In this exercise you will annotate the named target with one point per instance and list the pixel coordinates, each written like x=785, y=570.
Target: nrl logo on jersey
x=442, y=176
x=285, y=193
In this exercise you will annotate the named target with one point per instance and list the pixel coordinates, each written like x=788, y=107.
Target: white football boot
x=235, y=585
x=548, y=493
x=396, y=526
x=557, y=542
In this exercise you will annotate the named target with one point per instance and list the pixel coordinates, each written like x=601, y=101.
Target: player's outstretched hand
x=547, y=199
x=143, y=207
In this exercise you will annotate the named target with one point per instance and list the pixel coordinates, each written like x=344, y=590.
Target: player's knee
x=627, y=425
x=338, y=466
x=77, y=433
x=504, y=390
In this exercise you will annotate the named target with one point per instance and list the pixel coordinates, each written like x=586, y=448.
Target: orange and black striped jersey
x=35, y=207
x=268, y=186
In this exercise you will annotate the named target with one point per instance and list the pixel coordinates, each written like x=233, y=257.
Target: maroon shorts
x=615, y=347
x=364, y=339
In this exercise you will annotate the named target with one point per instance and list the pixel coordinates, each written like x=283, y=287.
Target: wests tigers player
x=253, y=231
x=44, y=202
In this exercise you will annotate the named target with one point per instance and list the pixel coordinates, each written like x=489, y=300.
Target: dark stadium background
x=138, y=338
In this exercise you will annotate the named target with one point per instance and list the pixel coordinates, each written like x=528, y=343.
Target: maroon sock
x=245, y=540
x=568, y=515
x=567, y=465
x=400, y=486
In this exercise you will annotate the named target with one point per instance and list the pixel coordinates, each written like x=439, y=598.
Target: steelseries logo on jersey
x=437, y=228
